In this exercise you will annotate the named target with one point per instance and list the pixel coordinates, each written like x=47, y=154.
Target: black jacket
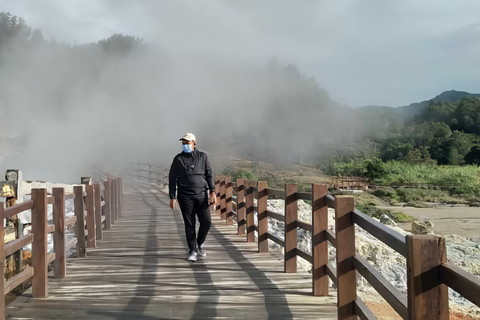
x=192, y=174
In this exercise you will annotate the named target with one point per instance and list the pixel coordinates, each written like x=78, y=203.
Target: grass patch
x=374, y=212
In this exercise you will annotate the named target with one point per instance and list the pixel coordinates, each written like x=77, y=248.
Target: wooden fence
x=428, y=272
x=95, y=210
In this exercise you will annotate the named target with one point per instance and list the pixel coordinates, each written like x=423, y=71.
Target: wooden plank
x=392, y=295
x=60, y=265
x=223, y=201
x=304, y=255
x=51, y=257
x=50, y=228
x=460, y=280
x=390, y=237
x=2, y=263
x=70, y=244
x=16, y=209
x=17, y=280
x=17, y=244
x=303, y=196
x=80, y=221
x=276, y=239
x=332, y=273
x=90, y=204
x=249, y=211
x=262, y=217
x=39, y=245
x=228, y=201
x=362, y=311
x=276, y=194
x=427, y=296
x=107, y=208
x=70, y=222
x=241, y=221
x=290, y=228
x=98, y=212
x=304, y=225
x=319, y=240
x=331, y=238
x=276, y=215
x=346, y=276
x=217, y=202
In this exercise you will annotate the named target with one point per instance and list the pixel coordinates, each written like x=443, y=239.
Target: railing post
x=346, y=274
x=80, y=222
x=427, y=296
x=228, y=200
x=249, y=211
x=114, y=200
x=223, y=202
x=39, y=245
x=290, y=228
x=2, y=264
x=262, y=217
x=319, y=240
x=98, y=212
x=60, y=263
x=91, y=243
x=217, y=202
x=120, y=196
x=241, y=206
x=107, y=207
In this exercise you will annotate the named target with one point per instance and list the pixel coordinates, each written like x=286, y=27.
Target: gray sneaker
x=201, y=251
x=192, y=256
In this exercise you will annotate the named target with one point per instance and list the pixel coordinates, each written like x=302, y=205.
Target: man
x=192, y=175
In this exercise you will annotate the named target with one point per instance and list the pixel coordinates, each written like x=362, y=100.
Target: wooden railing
x=428, y=272
x=148, y=172
x=92, y=216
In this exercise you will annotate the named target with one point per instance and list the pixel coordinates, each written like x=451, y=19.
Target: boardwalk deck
x=139, y=271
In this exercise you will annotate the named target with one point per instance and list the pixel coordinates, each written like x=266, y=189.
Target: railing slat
x=17, y=244
x=362, y=311
x=304, y=225
x=390, y=237
x=392, y=295
x=18, y=279
x=276, y=215
x=332, y=272
x=331, y=238
x=16, y=209
x=461, y=281
x=299, y=252
x=304, y=196
x=276, y=239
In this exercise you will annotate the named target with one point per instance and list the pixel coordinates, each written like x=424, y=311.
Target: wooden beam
x=60, y=265
x=2, y=264
x=241, y=206
x=223, y=202
x=98, y=212
x=90, y=201
x=107, y=208
x=249, y=211
x=262, y=216
x=39, y=245
x=427, y=296
x=319, y=240
x=346, y=274
x=290, y=263
x=80, y=223
x=228, y=201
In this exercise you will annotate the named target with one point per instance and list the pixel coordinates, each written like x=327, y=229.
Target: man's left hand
x=213, y=197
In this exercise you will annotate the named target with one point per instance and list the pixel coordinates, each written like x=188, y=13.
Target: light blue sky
x=363, y=52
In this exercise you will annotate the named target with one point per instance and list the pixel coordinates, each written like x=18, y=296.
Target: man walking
x=191, y=181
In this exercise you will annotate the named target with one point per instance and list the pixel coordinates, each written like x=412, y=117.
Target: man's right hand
x=172, y=203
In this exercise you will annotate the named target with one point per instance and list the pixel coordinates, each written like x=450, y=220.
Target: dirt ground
x=458, y=219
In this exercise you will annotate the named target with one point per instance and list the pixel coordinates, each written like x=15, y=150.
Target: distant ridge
x=418, y=107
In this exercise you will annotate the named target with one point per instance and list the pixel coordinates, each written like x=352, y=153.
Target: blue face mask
x=187, y=148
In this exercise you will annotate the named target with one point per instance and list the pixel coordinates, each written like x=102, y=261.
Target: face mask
x=187, y=148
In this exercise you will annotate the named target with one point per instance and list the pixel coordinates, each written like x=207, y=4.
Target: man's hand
x=172, y=203
x=213, y=197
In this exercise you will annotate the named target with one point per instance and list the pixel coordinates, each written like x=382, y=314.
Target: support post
x=217, y=202
x=427, y=297
x=262, y=217
x=319, y=240
x=107, y=207
x=91, y=242
x=39, y=245
x=223, y=202
x=290, y=228
x=228, y=200
x=241, y=206
x=80, y=222
x=60, y=263
x=98, y=211
x=2, y=263
x=249, y=211
x=120, y=195
x=346, y=274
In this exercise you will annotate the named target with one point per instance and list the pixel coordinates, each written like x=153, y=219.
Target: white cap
x=188, y=137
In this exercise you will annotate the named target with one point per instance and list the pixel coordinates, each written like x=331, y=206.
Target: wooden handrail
x=448, y=274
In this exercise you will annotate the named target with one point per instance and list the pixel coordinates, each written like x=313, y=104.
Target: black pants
x=191, y=208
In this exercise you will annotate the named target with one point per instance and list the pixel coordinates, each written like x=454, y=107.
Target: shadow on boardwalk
x=139, y=271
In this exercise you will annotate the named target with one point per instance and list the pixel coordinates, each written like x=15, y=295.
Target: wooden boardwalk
x=139, y=271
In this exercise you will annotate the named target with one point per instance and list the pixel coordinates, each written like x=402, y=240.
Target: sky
x=370, y=52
